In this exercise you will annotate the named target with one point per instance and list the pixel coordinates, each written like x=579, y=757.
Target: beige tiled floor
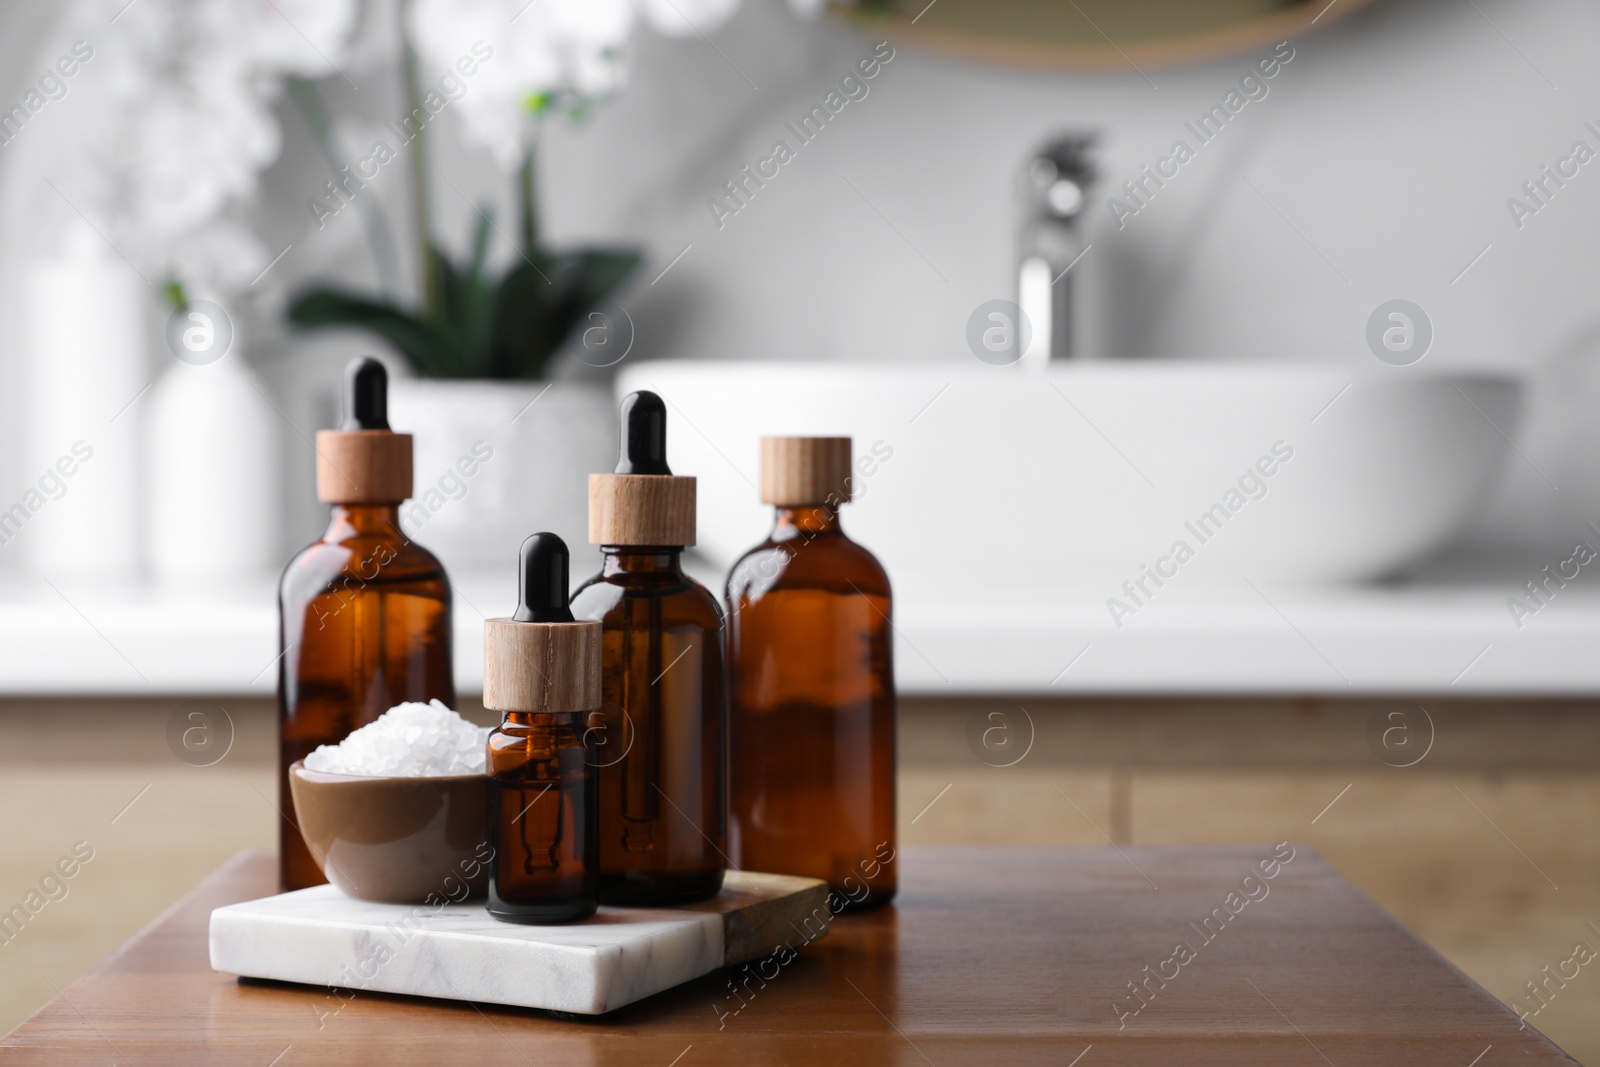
x=1462, y=856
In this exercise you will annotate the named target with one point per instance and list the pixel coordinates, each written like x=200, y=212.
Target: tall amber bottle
x=364, y=613
x=541, y=670
x=811, y=686
x=662, y=760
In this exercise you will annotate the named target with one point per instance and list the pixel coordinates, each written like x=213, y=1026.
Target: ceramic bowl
x=396, y=840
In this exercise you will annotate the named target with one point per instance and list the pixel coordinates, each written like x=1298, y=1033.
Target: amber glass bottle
x=811, y=686
x=364, y=614
x=541, y=670
x=662, y=759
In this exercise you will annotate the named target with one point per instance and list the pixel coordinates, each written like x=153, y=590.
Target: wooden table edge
x=214, y=883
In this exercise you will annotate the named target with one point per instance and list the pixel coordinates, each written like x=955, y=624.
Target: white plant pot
x=497, y=461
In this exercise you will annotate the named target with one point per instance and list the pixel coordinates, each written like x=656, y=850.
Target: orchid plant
x=550, y=58
x=186, y=124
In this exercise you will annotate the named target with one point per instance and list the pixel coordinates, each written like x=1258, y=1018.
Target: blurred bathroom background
x=1393, y=141
x=1382, y=161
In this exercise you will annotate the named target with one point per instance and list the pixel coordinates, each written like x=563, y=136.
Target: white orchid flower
x=183, y=122
x=686, y=18
x=539, y=51
x=546, y=53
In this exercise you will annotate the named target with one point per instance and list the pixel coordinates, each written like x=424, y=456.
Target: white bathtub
x=1091, y=473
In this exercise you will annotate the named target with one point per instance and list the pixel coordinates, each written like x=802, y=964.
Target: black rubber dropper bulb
x=644, y=435
x=543, y=580
x=366, y=395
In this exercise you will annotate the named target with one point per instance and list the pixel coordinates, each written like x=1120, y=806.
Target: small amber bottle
x=541, y=671
x=364, y=613
x=811, y=686
x=662, y=791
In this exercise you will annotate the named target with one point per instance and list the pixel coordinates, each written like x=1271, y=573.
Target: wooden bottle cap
x=363, y=466
x=541, y=666
x=642, y=502
x=364, y=461
x=805, y=470
x=641, y=509
x=542, y=659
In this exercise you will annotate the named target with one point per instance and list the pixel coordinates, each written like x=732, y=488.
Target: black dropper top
x=366, y=395
x=543, y=580
x=644, y=435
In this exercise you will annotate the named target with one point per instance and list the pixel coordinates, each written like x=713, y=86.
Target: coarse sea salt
x=407, y=741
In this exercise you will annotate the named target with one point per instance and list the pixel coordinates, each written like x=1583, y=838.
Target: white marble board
x=457, y=952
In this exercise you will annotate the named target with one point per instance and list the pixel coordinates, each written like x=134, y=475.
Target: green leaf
x=487, y=328
x=519, y=318
x=583, y=279
x=542, y=301
x=475, y=309
x=422, y=345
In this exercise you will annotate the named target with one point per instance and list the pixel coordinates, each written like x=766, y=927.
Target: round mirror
x=1095, y=34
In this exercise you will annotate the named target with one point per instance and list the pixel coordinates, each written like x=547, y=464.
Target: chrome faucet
x=1056, y=190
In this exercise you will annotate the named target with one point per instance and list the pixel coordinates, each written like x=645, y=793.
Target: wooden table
x=1013, y=956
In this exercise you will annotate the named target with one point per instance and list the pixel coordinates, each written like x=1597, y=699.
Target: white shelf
x=1439, y=641
x=1454, y=639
